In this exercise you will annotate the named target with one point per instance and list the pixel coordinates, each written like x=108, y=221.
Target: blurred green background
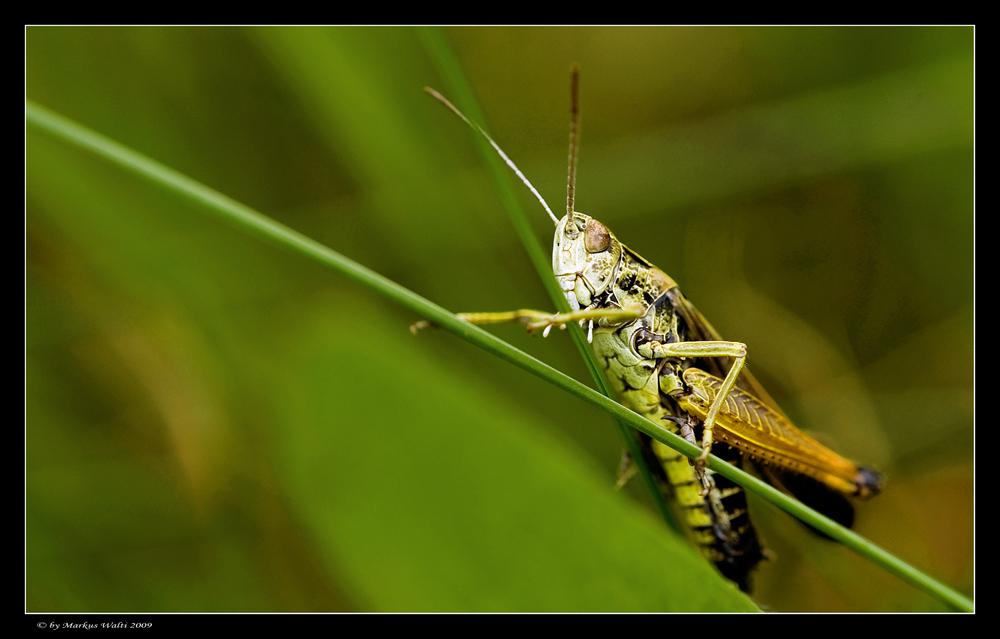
x=215, y=425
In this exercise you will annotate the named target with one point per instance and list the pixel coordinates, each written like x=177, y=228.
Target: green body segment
x=718, y=522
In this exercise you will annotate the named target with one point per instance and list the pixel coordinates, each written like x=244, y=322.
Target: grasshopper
x=666, y=362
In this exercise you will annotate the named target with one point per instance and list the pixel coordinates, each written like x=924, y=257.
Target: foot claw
x=416, y=327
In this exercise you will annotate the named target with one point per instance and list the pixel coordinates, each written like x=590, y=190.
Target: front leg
x=524, y=315
x=609, y=315
x=735, y=350
x=540, y=320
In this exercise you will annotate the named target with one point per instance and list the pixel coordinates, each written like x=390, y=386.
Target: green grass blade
x=260, y=226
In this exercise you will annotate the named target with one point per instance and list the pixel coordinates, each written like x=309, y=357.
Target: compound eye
x=597, y=238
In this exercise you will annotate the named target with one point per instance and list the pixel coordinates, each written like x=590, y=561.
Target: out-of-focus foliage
x=215, y=425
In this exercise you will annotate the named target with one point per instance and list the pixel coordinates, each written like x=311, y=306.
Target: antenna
x=476, y=127
x=574, y=133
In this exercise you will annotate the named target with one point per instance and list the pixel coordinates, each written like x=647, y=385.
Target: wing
x=807, y=490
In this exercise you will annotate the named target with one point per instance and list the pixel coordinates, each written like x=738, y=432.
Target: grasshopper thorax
x=584, y=257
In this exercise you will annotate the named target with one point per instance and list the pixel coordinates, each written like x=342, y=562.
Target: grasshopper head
x=584, y=255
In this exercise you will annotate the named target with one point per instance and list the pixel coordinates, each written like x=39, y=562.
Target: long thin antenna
x=574, y=133
x=476, y=127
